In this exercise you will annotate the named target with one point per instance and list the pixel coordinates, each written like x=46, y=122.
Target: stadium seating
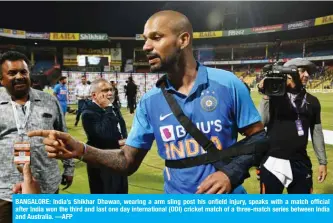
x=42, y=66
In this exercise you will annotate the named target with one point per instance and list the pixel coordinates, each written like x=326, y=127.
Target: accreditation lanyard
x=21, y=124
x=298, y=122
x=293, y=104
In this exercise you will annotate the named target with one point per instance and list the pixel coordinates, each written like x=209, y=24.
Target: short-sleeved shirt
x=61, y=92
x=219, y=104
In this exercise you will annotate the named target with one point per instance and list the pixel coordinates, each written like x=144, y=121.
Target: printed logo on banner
x=210, y=34
x=11, y=33
x=299, y=24
x=324, y=20
x=236, y=32
x=103, y=51
x=65, y=36
x=266, y=29
x=30, y=35
x=93, y=36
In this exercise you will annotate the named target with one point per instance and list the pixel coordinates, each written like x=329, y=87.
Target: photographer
x=288, y=119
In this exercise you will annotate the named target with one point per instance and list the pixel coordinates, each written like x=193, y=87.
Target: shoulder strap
x=186, y=122
x=213, y=156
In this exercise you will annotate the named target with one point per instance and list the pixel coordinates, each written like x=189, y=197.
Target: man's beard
x=166, y=64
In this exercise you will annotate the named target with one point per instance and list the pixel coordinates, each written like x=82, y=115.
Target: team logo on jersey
x=167, y=133
x=208, y=103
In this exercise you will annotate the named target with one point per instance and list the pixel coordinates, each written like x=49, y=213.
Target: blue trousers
x=63, y=105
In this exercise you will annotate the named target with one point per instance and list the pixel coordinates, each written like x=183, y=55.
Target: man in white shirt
x=82, y=93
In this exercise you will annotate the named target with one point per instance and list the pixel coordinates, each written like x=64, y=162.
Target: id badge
x=299, y=127
x=21, y=154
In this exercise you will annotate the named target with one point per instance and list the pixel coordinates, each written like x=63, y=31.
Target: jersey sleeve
x=244, y=110
x=141, y=135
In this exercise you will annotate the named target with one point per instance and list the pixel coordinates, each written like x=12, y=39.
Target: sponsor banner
x=299, y=24
x=70, y=62
x=267, y=29
x=139, y=37
x=238, y=32
x=93, y=36
x=324, y=20
x=222, y=62
x=32, y=35
x=101, y=51
x=211, y=34
x=12, y=33
x=65, y=36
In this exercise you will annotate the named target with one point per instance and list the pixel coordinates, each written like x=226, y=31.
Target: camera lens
x=275, y=87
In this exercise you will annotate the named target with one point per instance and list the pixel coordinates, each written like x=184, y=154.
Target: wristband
x=84, y=151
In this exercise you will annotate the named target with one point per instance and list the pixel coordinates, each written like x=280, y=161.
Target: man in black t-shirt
x=288, y=120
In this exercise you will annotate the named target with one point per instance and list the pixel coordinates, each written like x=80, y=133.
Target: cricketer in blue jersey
x=60, y=91
x=215, y=100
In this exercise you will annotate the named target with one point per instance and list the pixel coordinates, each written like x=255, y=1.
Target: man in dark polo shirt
x=288, y=120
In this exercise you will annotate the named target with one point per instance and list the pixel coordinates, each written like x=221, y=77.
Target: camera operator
x=288, y=119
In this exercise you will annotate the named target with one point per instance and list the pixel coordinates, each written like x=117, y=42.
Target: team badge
x=208, y=103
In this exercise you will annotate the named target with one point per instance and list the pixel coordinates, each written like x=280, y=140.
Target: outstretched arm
x=61, y=145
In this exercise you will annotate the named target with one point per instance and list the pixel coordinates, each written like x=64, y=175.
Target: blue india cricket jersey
x=219, y=104
x=61, y=92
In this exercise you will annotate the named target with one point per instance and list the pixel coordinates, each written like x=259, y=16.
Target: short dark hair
x=62, y=78
x=12, y=56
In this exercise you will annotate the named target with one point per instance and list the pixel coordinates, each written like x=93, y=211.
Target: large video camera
x=275, y=83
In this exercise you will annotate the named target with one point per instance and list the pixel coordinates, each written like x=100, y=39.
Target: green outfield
x=148, y=179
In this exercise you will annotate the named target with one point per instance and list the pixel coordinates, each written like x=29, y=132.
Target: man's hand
x=322, y=173
x=290, y=82
x=66, y=180
x=59, y=145
x=104, y=101
x=29, y=185
x=216, y=183
x=261, y=84
x=122, y=142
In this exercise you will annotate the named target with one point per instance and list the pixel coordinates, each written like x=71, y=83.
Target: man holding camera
x=288, y=118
